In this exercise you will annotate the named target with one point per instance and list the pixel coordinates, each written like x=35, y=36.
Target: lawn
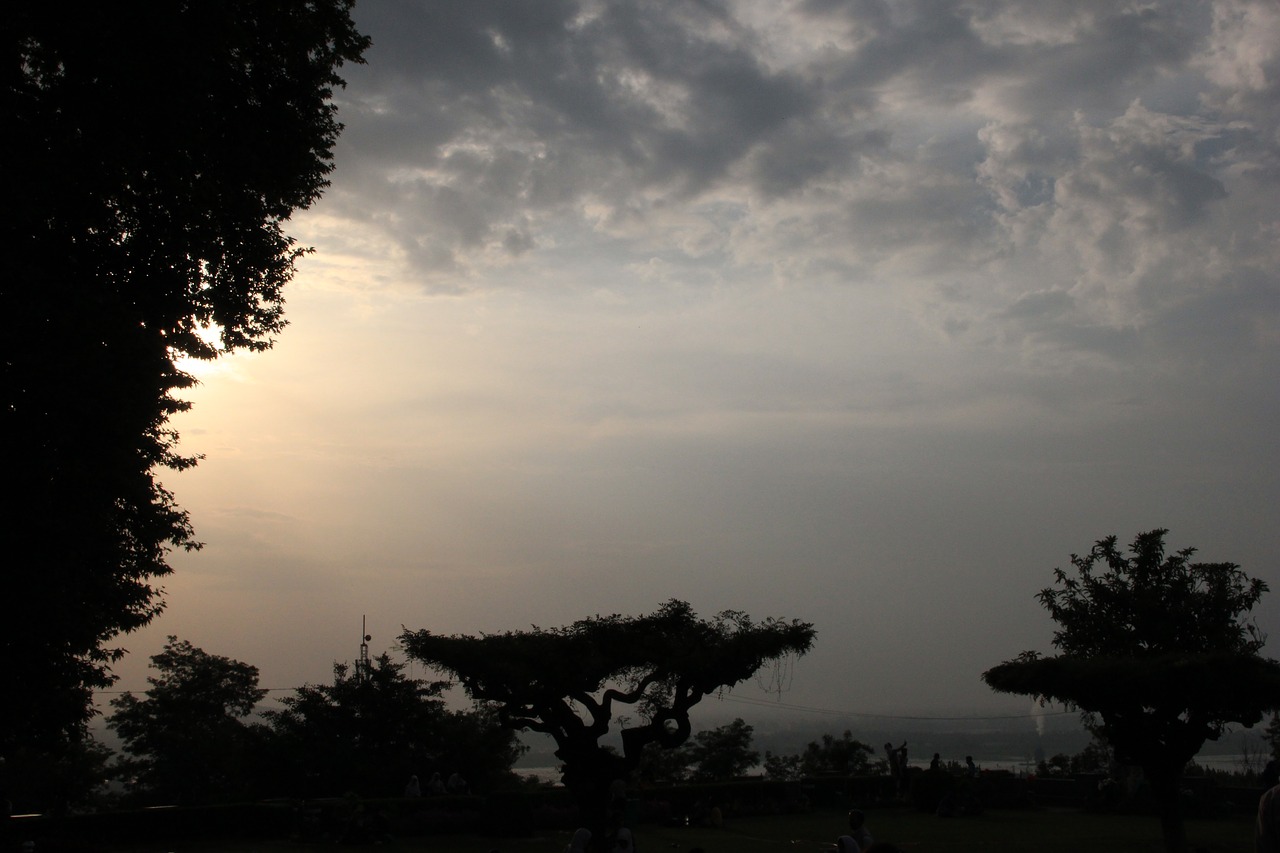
x=1044, y=831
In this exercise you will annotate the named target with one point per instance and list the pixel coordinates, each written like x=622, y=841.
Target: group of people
x=970, y=769
x=437, y=786
x=899, y=767
x=859, y=839
x=622, y=840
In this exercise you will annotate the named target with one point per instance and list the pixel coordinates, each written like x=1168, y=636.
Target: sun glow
x=205, y=368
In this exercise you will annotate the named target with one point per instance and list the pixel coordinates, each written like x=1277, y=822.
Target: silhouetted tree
x=72, y=775
x=1094, y=758
x=188, y=737
x=723, y=752
x=1272, y=735
x=566, y=682
x=831, y=756
x=838, y=756
x=1158, y=653
x=662, y=766
x=784, y=767
x=368, y=732
x=156, y=150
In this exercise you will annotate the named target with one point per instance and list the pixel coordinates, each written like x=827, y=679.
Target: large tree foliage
x=157, y=150
x=187, y=736
x=723, y=752
x=662, y=766
x=370, y=731
x=1272, y=736
x=838, y=756
x=831, y=756
x=569, y=682
x=1158, y=651
x=73, y=776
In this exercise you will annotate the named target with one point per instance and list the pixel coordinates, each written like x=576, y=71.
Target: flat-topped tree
x=568, y=682
x=1158, y=653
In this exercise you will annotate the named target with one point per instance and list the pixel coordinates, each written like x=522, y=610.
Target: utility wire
x=744, y=700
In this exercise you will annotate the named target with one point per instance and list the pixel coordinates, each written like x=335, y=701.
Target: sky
x=867, y=313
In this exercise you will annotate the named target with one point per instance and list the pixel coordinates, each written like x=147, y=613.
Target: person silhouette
x=1267, y=829
x=897, y=765
x=858, y=829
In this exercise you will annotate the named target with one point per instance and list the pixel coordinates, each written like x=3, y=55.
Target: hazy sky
x=866, y=313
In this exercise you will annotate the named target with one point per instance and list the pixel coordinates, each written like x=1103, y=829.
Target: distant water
x=543, y=774
x=1014, y=764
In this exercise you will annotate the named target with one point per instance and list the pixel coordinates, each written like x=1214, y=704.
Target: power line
x=744, y=700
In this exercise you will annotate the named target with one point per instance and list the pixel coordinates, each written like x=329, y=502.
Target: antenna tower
x=362, y=663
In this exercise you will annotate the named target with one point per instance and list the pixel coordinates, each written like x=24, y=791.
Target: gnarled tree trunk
x=590, y=774
x=1166, y=787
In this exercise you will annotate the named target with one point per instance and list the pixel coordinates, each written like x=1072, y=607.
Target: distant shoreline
x=1018, y=766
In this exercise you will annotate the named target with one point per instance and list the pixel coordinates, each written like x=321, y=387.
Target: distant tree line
x=726, y=752
x=196, y=735
x=1157, y=652
x=831, y=756
x=193, y=737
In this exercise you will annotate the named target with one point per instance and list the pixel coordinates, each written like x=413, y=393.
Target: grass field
x=1045, y=831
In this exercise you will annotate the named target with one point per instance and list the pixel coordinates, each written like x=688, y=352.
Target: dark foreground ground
x=997, y=831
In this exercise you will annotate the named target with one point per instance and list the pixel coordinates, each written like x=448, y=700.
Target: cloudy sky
x=867, y=313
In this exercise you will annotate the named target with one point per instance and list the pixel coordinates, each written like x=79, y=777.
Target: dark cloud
x=651, y=90
x=1027, y=147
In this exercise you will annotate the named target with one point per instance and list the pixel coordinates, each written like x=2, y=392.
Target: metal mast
x=362, y=664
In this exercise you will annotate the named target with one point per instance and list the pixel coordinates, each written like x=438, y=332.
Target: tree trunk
x=589, y=774
x=1167, y=789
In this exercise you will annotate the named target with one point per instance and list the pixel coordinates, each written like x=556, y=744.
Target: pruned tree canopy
x=1212, y=689
x=569, y=682
x=1150, y=633
x=1157, y=650
x=664, y=663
